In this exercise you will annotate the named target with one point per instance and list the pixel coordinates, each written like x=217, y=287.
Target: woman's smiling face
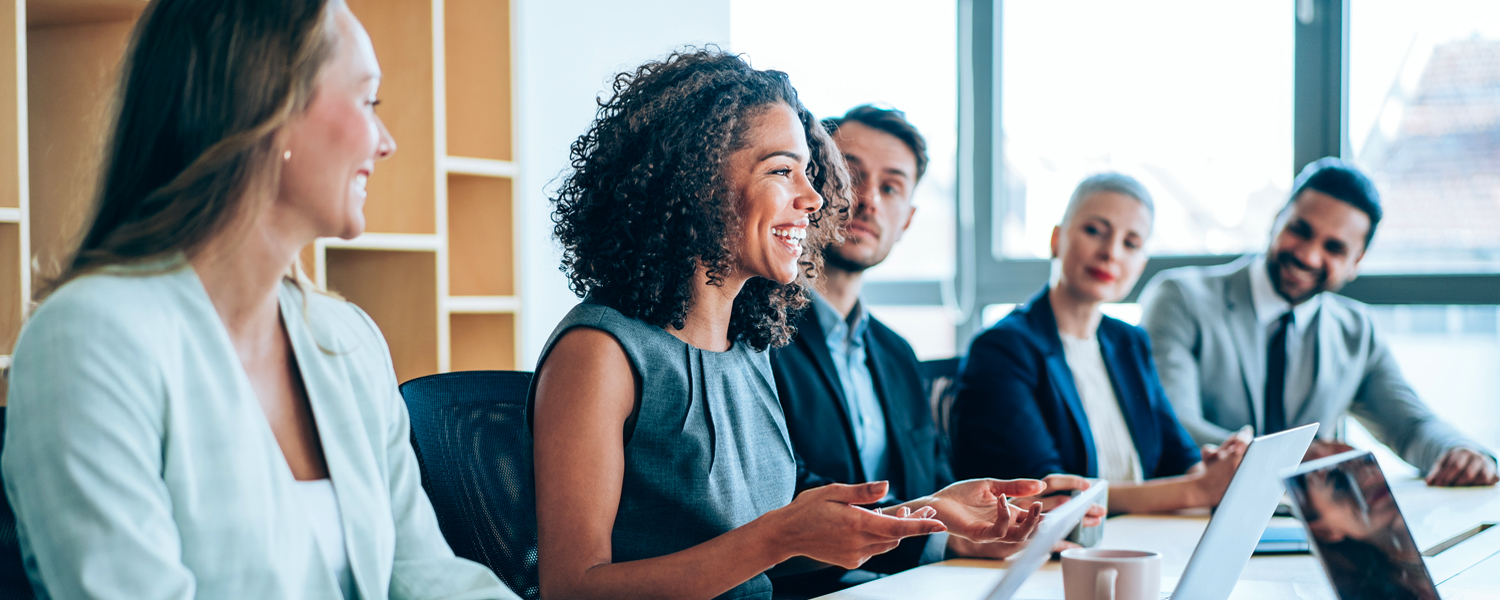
x=769, y=174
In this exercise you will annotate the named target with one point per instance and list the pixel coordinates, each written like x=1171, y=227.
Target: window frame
x=1320, y=111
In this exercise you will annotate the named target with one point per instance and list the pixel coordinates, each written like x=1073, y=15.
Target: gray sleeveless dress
x=709, y=451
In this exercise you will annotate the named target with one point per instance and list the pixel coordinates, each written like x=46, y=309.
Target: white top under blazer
x=140, y=464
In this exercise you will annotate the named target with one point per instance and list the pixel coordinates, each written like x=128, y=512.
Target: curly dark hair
x=648, y=200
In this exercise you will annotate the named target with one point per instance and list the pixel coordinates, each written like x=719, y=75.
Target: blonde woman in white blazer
x=186, y=418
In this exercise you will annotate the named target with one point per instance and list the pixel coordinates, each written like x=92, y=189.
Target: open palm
x=977, y=509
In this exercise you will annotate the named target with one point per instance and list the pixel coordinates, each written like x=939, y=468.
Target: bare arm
x=1203, y=485
x=585, y=392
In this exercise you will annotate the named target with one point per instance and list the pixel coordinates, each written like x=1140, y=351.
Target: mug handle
x=1104, y=584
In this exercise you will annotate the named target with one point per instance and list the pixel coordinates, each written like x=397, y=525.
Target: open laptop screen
x=1357, y=530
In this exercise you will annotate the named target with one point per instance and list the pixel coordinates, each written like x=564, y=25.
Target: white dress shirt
x=1301, y=336
x=1114, y=447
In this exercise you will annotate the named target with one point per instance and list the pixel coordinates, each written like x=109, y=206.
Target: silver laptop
x=1361, y=538
x=1232, y=533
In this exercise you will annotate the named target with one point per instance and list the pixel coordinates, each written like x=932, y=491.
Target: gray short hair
x=1118, y=183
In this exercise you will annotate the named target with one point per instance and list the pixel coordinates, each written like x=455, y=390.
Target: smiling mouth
x=360, y=181
x=791, y=237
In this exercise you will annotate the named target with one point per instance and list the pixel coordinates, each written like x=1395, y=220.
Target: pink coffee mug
x=1099, y=574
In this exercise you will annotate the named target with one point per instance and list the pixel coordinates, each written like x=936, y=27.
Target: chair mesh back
x=13, y=582
x=469, y=430
x=941, y=377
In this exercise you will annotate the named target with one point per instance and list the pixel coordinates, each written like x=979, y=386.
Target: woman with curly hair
x=695, y=211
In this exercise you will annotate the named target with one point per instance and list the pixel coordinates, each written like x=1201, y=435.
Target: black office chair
x=13, y=582
x=469, y=431
x=941, y=377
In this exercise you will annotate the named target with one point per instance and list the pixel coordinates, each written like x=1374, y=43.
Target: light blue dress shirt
x=846, y=343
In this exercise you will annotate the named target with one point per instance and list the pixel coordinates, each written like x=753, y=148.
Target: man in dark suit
x=852, y=389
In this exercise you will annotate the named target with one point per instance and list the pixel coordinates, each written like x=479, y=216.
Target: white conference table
x=1433, y=514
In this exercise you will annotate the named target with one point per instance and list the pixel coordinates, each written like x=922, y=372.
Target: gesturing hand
x=1462, y=466
x=1059, y=482
x=824, y=524
x=977, y=509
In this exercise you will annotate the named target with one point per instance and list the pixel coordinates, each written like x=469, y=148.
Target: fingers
x=893, y=528
x=1094, y=516
x=1016, y=487
x=1439, y=474
x=864, y=493
x=1052, y=502
x=1473, y=472
x=1061, y=482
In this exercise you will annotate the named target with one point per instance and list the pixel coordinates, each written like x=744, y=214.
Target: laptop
x=1056, y=526
x=1231, y=535
x=1360, y=536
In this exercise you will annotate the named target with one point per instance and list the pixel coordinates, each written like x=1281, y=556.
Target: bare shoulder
x=586, y=370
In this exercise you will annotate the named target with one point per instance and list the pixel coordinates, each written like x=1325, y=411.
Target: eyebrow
x=786, y=153
x=854, y=159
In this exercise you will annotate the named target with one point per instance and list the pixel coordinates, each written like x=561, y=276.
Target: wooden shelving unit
x=436, y=267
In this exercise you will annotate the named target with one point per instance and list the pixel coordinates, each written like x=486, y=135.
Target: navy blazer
x=1018, y=413
x=817, y=419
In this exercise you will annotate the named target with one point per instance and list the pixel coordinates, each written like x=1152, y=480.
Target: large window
x=1424, y=118
x=844, y=53
x=1167, y=91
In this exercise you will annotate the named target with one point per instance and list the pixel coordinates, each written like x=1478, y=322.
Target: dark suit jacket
x=1018, y=413
x=822, y=434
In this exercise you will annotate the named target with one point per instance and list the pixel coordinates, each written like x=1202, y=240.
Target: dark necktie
x=1276, y=377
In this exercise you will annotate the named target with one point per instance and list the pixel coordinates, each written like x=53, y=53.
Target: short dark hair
x=889, y=120
x=1344, y=181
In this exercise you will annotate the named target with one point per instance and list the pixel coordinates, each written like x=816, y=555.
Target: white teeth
x=360, y=180
x=791, y=234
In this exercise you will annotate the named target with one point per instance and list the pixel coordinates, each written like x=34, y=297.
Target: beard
x=1274, y=264
x=832, y=258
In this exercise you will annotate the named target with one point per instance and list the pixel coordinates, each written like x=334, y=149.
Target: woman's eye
x=782, y=172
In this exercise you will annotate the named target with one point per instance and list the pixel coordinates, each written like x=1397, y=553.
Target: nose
x=864, y=193
x=1309, y=254
x=387, y=145
x=808, y=199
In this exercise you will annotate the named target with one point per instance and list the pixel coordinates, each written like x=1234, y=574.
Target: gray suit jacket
x=1211, y=356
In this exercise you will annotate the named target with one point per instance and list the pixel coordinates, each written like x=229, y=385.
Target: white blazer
x=140, y=463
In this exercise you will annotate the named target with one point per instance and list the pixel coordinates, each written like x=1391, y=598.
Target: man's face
x=1316, y=246
x=883, y=171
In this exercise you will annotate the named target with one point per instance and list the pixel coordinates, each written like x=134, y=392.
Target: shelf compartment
x=481, y=248
x=476, y=42
x=402, y=191
x=12, y=268
x=483, y=342
x=12, y=146
x=396, y=289
x=72, y=73
x=54, y=13
x=483, y=304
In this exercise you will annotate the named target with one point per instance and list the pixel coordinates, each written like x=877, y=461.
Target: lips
x=790, y=237
x=1099, y=274
x=858, y=227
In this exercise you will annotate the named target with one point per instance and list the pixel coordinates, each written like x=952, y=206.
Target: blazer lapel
x=339, y=429
x=896, y=420
x=1249, y=339
x=1325, y=373
x=811, y=333
x=1060, y=375
x=1127, y=393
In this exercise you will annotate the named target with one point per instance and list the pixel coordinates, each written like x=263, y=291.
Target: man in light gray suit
x=1258, y=342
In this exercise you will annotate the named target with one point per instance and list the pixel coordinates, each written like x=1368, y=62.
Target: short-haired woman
x=699, y=201
x=1058, y=387
x=187, y=418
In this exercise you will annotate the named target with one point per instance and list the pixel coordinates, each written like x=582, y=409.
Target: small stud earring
x=286, y=155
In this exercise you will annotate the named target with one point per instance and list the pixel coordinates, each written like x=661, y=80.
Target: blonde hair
x=205, y=90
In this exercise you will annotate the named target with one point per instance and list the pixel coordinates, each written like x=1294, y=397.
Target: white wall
x=566, y=52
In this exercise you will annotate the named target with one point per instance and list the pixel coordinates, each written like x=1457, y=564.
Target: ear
x=910, y=211
x=1056, y=240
